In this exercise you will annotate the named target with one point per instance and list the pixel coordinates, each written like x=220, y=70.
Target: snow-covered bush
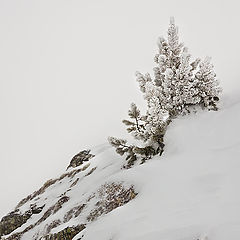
x=179, y=86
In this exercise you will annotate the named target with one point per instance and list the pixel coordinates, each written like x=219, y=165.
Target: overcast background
x=67, y=74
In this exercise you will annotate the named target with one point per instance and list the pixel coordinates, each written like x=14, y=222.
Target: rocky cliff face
x=65, y=206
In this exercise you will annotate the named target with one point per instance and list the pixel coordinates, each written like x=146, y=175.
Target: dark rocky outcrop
x=12, y=221
x=58, y=206
x=16, y=219
x=74, y=212
x=53, y=209
x=91, y=171
x=37, y=193
x=66, y=234
x=80, y=158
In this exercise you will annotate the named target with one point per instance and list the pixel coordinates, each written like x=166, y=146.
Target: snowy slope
x=191, y=192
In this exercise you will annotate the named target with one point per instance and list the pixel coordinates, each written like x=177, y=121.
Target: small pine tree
x=179, y=87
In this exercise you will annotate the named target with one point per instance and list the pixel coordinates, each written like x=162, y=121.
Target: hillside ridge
x=191, y=192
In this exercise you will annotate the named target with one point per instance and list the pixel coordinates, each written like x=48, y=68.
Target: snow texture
x=191, y=192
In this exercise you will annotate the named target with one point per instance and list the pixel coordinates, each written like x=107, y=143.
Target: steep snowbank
x=191, y=192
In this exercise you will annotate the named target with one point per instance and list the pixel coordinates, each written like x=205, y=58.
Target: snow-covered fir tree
x=180, y=85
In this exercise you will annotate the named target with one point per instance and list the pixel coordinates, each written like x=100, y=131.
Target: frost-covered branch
x=179, y=86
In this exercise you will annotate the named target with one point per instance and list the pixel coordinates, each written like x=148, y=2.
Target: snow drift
x=191, y=192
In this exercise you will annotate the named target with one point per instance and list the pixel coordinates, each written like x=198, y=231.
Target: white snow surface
x=192, y=192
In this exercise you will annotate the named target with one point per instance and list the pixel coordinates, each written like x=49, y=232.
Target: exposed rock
x=35, y=209
x=62, y=202
x=48, y=184
x=80, y=158
x=36, y=193
x=76, y=171
x=66, y=234
x=91, y=171
x=74, y=212
x=16, y=219
x=53, y=209
x=12, y=221
x=74, y=183
x=18, y=235
x=53, y=224
x=107, y=198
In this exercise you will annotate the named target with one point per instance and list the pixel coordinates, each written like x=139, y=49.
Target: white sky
x=67, y=74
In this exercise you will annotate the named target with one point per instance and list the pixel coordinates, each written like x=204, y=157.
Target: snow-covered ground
x=191, y=192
